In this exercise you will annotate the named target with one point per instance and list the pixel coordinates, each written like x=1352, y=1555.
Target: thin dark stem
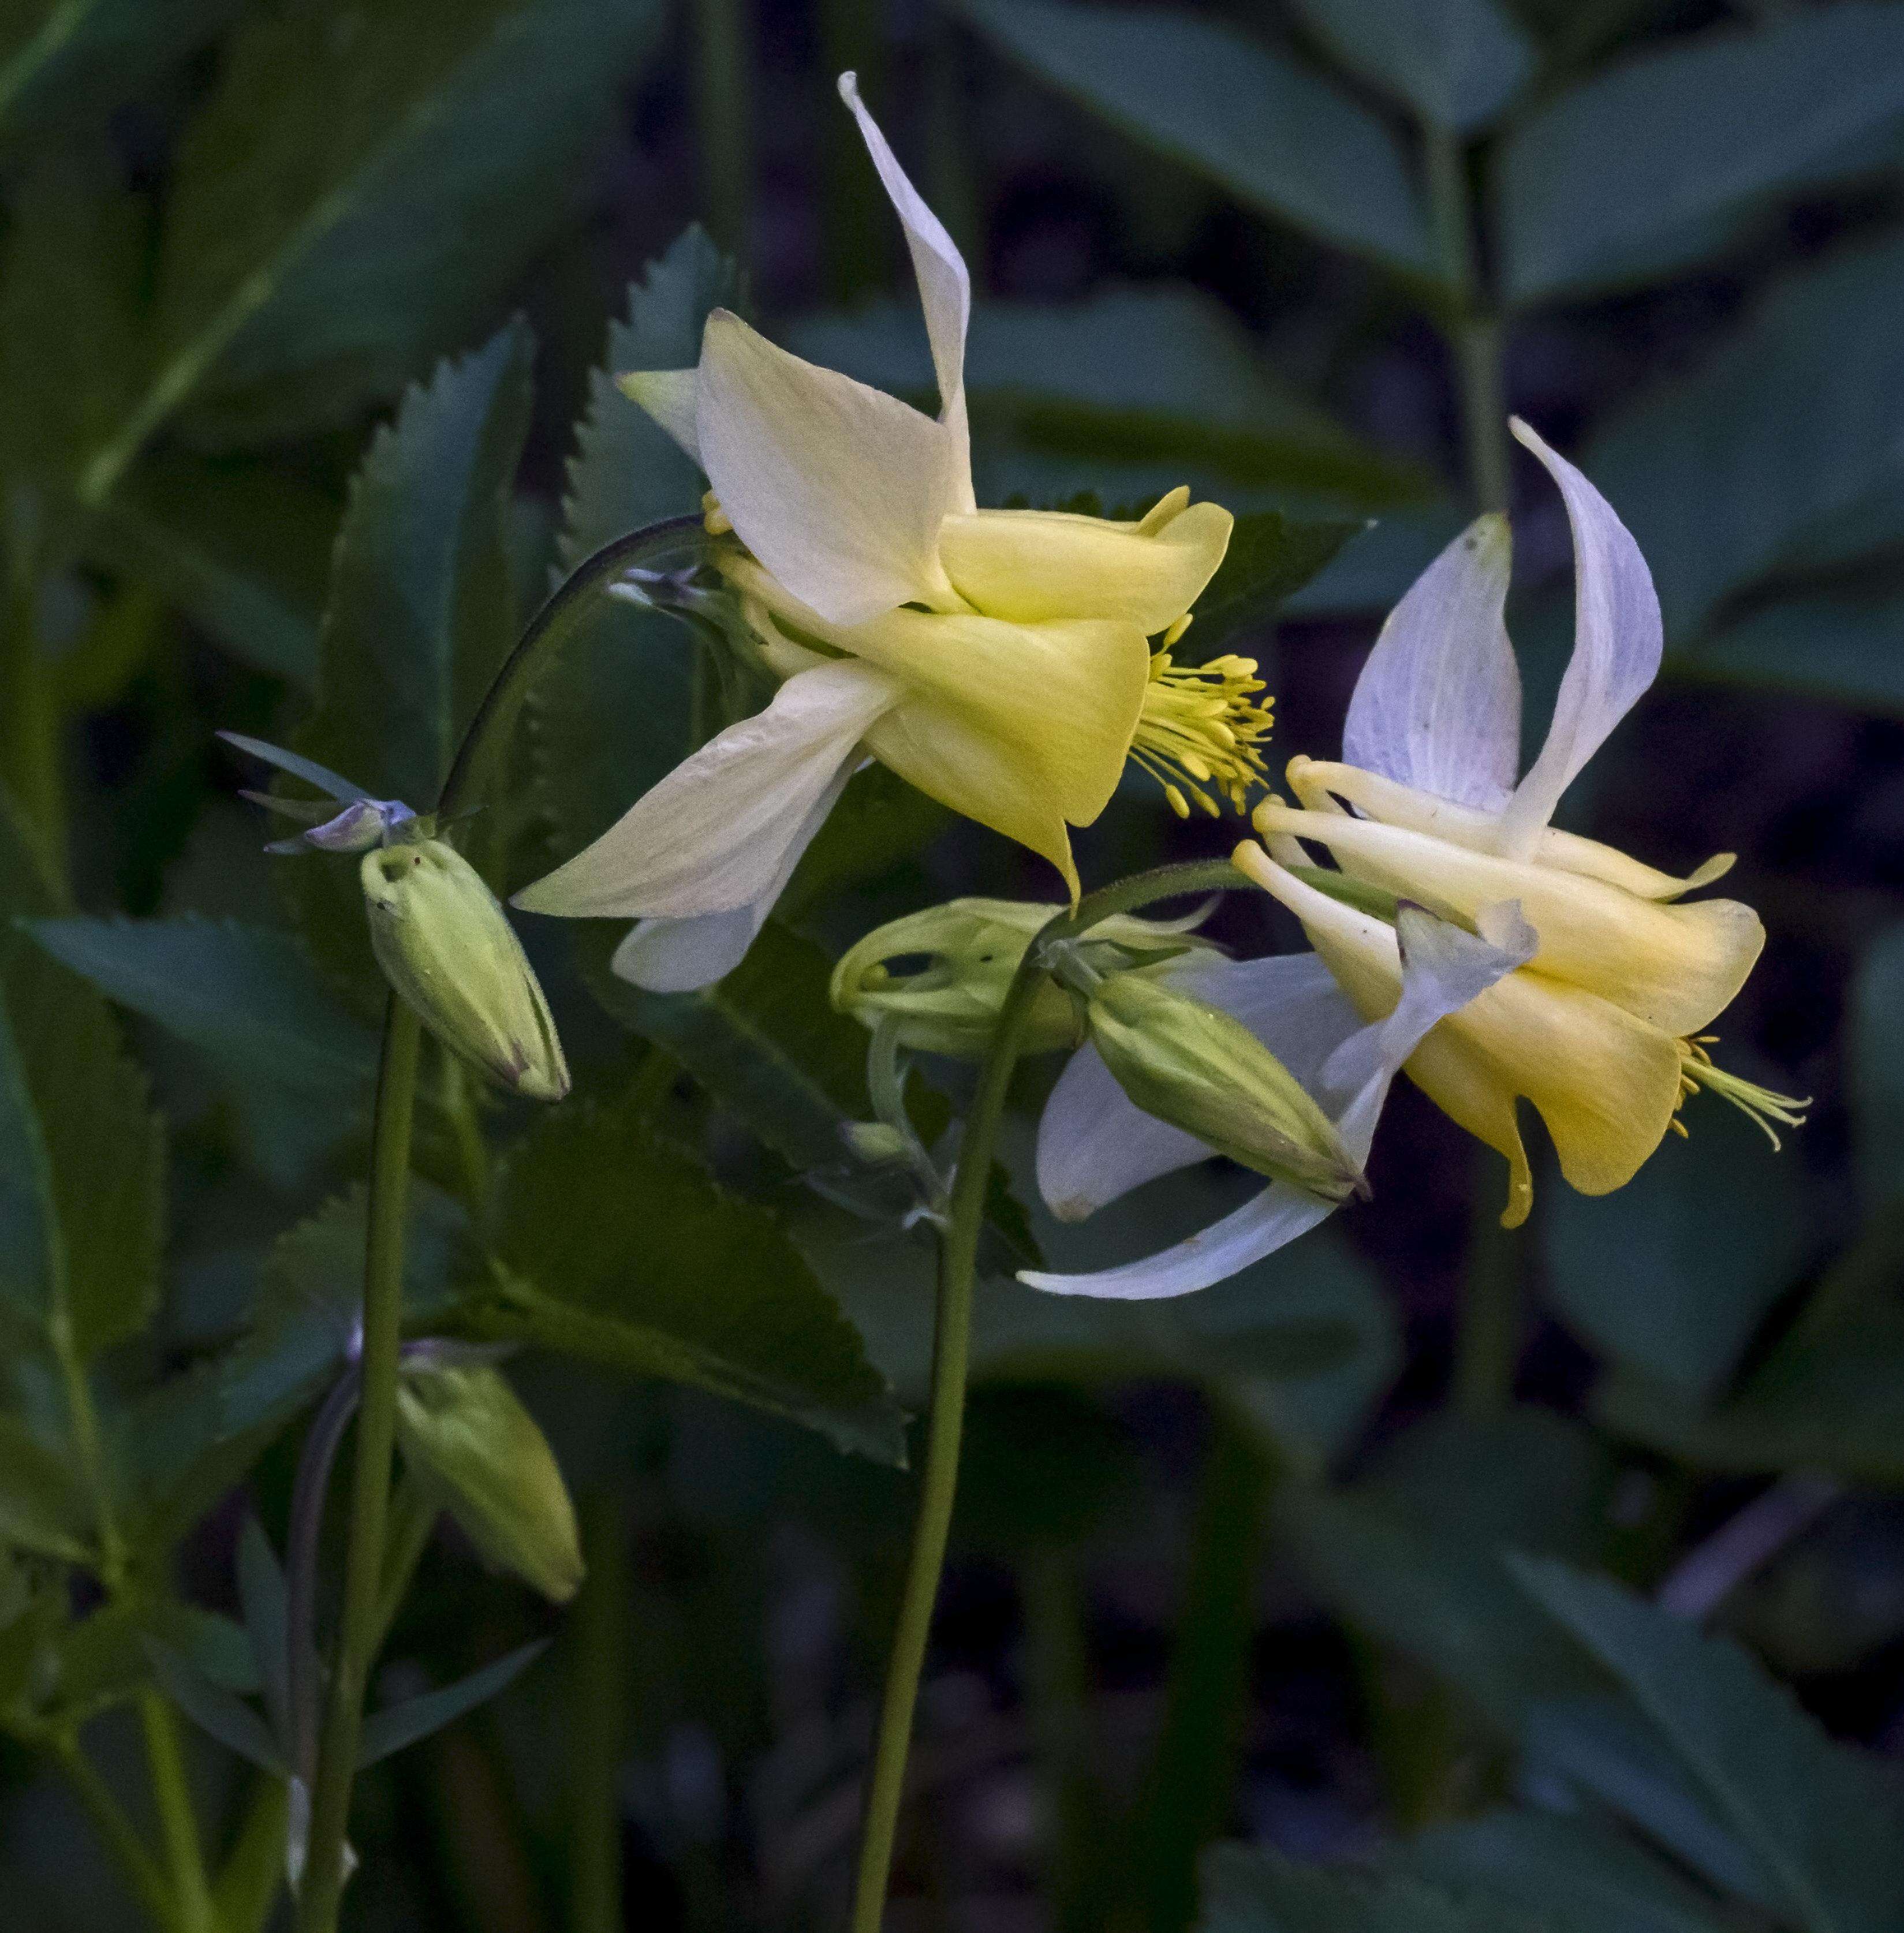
x=307, y=1493
x=599, y=1723
x=1473, y=332
x=337, y=1755
x=951, y=1341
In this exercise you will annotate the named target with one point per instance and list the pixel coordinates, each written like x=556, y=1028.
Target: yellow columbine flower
x=1000, y=660
x=1603, y=1028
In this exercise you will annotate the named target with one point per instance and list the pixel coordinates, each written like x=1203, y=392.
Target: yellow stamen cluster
x=1201, y=728
x=715, y=520
x=1759, y=1104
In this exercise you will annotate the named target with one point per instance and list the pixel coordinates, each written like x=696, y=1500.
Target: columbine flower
x=1094, y=1144
x=1603, y=1029
x=999, y=660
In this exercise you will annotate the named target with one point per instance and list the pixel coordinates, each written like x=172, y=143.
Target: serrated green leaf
x=298, y=1068
x=398, y=1726
x=615, y=712
x=1630, y=169
x=60, y=59
x=240, y=545
x=1794, y=424
x=665, y=1273
x=1458, y=63
x=1269, y=558
x=764, y=1042
x=1710, y=1233
x=465, y=1430
x=1827, y=1822
x=82, y=1201
x=1279, y=138
x=1246, y=1891
x=1582, y=1876
x=1145, y=375
x=363, y=180
x=420, y=615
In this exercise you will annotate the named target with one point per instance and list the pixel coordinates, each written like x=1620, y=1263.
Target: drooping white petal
x=1616, y=643
x=1442, y=968
x=839, y=489
x=716, y=833
x=677, y=956
x=668, y=395
x=1096, y=1143
x=1438, y=704
x=944, y=286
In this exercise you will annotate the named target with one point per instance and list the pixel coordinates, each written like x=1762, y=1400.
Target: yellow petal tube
x=1030, y=566
x=1673, y=966
x=1605, y=1083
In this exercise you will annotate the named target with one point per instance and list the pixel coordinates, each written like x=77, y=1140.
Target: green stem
x=165, y=1754
x=951, y=1340
x=1488, y=1348
x=599, y=1727
x=1473, y=332
x=723, y=59
x=376, y=1428
x=1201, y=1746
x=143, y=1872
x=31, y=724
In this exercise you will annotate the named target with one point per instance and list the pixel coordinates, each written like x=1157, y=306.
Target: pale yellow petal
x=839, y=489
x=1029, y=566
x=669, y=396
x=1674, y=966
x=1319, y=781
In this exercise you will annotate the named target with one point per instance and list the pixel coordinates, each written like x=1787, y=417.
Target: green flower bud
x=448, y=950
x=1200, y=1069
x=464, y=1428
x=971, y=948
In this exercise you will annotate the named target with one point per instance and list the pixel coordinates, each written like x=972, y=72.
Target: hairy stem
x=951, y=1340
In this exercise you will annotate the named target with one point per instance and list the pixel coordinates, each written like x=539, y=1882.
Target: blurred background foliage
x=307, y=313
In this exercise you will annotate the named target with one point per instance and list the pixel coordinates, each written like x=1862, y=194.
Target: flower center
x=1757, y=1104
x=1200, y=729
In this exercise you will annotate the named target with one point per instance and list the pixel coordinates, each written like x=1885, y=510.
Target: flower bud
x=1195, y=1066
x=971, y=948
x=466, y=1430
x=449, y=952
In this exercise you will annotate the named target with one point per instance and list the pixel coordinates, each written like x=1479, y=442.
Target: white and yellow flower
x=1603, y=1028
x=1095, y=1144
x=1000, y=660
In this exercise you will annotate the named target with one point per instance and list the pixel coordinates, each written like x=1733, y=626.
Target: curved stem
x=321, y=1442
x=376, y=1430
x=142, y=1870
x=951, y=1351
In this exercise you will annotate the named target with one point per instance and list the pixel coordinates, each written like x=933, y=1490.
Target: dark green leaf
x=1841, y=647
x=43, y=1505
x=61, y=58
x=213, y=1709
x=667, y=1273
x=391, y=1729
x=1574, y=1873
x=764, y=1042
x=240, y=546
x=1876, y=1062
x=1413, y=1553
x=1795, y=423
x=613, y=714
x=1827, y=1822
x=880, y=823
x=1269, y=557
x=298, y=1068
x=362, y=182
x=1612, y=174
x=1280, y=138
x=1674, y=1272
x=1249, y=1891
x=1458, y=63
x=261, y=1592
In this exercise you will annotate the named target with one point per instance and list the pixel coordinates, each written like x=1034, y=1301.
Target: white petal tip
x=849, y=88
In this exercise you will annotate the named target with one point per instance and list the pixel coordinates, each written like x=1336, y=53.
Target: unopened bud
x=466, y=1430
x=942, y=975
x=1202, y=1070
x=448, y=950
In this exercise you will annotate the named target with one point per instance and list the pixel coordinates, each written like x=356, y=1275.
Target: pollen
x=1201, y=730
x=1759, y=1104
